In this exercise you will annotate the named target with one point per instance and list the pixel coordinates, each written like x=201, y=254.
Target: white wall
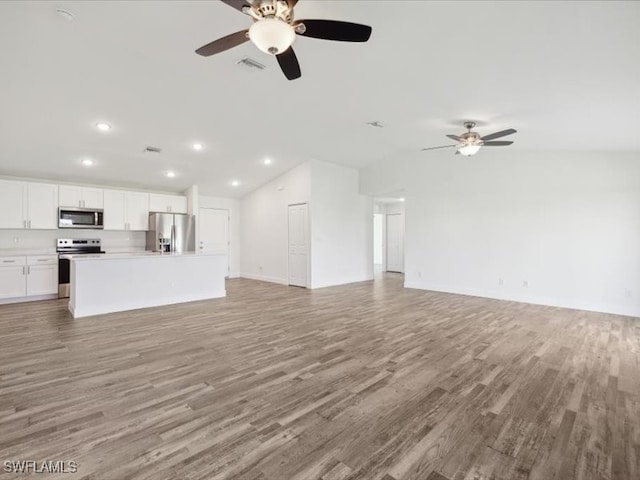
x=341, y=227
x=233, y=206
x=264, y=224
x=567, y=224
x=341, y=247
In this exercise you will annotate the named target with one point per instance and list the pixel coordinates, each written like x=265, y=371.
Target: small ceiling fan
x=274, y=30
x=469, y=143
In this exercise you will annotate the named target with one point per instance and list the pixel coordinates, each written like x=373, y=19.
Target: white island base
x=115, y=283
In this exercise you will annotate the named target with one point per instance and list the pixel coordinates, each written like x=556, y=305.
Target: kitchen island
x=118, y=282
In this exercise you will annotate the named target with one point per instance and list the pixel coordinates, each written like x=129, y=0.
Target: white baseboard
x=574, y=304
x=343, y=282
x=265, y=278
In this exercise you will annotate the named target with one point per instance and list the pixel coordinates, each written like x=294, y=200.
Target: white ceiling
x=565, y=74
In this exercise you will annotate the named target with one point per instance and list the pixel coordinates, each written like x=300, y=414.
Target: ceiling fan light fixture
x=469, y=149
x=272, y=36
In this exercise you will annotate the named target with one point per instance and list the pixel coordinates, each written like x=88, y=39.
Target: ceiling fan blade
x=435, y=148
x=503, y=133
x=335, y=30
x=222, y=44
x=237, y=4
x=455, y=137
x=289, y=64
x=499, y=143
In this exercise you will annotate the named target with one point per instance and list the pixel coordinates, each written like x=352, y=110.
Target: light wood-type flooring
x=363, y=381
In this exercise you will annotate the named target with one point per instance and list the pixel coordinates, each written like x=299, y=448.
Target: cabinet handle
x=23, y=270
x=42, y=259
x=24, y=224
x=8, y=261
x=29, y=270
x=29, y=223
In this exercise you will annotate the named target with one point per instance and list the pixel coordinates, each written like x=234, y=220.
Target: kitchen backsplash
x=112, y=241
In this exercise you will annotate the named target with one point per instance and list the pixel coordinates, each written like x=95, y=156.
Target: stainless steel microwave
x=71, y=217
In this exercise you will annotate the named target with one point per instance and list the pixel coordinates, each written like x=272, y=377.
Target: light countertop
x=132, y=255
x=22, y=252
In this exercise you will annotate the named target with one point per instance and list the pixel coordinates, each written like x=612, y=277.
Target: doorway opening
x=388, y=233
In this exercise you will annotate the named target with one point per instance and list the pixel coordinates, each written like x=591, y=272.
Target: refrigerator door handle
x=173, y=238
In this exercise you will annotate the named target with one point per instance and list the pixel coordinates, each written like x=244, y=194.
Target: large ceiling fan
x=274, y=30
x=469, y=143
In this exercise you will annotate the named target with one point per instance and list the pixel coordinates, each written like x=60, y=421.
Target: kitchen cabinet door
x=167, y=203
x=81, y=197
x=42, y=279
x=178, y=204
x=92, y=197
x=13, y=205
x=13, y=281
x=42, y=201
x=70, y=196
x=114, y=210
x=137, y=211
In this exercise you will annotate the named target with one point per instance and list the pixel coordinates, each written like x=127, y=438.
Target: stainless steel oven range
x=66, y=248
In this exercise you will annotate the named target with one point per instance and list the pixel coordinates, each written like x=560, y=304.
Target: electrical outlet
x=420, y=275
x=627, y=293
x=259, y=268
x=525, y=283
x=500, y=281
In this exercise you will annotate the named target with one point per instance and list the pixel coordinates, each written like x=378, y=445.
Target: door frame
x=308, y=235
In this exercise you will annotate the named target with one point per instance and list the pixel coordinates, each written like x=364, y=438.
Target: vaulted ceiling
x=564, y=74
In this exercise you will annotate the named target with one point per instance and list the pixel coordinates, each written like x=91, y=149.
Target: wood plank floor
x=364, y=381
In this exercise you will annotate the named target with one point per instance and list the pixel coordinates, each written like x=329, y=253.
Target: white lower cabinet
x=13, y=279
x=42, y=275
x=28, y=276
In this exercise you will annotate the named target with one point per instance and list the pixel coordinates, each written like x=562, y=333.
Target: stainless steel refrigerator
x=171, y=232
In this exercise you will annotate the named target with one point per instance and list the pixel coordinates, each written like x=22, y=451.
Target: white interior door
x=298, y=245
x=395, y=242
x=214, y=231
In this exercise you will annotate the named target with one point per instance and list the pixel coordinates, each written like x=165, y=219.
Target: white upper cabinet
x=28, y=205
x=114, y=210
x=167, y=203
x=81, y=197
x=13, y=204
x=42, y=206
x=137, y=210
x=126, y=210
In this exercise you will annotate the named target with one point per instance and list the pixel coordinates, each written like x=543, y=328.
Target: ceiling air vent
x=250, y=64
x=152, y=150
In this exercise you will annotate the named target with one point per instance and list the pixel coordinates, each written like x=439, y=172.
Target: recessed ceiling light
x=235, y=183
x=103, y=126
x=267, y=161
x=170, y=174
x=87, y=162
x=198, y=146
x=402, y=199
